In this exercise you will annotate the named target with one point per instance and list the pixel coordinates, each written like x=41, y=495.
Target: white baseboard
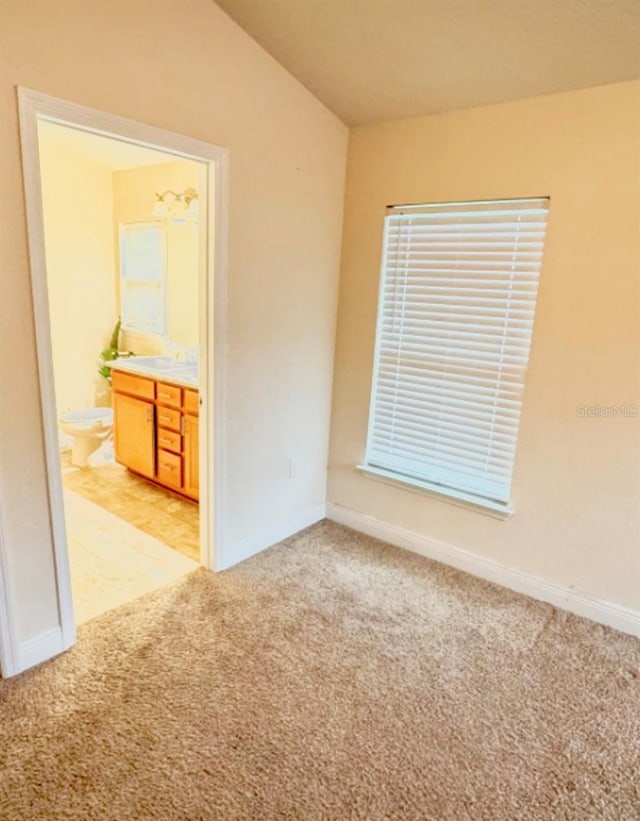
x=269, y=536
x=612, y=615
x=40, y=648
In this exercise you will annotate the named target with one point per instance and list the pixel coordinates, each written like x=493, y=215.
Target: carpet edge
x=581, y=604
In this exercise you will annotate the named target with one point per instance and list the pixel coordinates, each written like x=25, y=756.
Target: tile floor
x=113, y=562
x=158, y=513
x=126, y=537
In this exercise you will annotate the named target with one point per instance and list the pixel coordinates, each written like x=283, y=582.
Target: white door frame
x=34, y=106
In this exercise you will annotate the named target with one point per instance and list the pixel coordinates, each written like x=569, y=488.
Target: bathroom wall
x=78, y=207
x=133, y=201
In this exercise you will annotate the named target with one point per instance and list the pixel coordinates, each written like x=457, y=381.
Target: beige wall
x=78, y=206
x=133, y=201
x=186, y=67
x=576, y=481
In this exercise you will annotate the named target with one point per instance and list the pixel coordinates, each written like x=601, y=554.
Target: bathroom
x=124, y=253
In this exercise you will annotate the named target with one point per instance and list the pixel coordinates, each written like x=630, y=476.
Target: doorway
x=183, y=413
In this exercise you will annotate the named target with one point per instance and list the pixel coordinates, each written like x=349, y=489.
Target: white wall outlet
x=292, y=469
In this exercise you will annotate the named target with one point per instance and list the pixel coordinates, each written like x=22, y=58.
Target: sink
x=183, y=373
x=152, y=362
x=159, y=366
x=183, y=367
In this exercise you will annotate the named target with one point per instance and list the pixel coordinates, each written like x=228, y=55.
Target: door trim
x=34, y=106
x=9, y=646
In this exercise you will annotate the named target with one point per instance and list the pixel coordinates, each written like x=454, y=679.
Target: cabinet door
x=134, y=433
x=191, y=484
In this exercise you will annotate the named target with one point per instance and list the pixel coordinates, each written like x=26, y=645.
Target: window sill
x=497, y=510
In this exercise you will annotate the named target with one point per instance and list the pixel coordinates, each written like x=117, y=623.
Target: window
x=457, y=299
x=143, y=277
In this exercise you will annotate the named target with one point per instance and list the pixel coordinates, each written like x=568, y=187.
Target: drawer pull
x=164, y=395
x=168, y=467
x=164, y=418
x=166, y=441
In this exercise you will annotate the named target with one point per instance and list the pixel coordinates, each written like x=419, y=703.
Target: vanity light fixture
x=178, y=206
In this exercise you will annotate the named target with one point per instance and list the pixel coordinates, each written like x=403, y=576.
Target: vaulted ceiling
x=372, y=60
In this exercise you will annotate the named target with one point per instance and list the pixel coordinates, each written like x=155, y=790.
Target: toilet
x=89, y=428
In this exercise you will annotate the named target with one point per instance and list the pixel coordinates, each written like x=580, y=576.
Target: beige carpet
x=329, y=678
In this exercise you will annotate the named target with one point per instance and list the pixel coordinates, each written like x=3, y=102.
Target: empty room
x=320, y=410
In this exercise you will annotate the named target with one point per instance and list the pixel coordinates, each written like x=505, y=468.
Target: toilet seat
x=89, y=428
x=88, y=418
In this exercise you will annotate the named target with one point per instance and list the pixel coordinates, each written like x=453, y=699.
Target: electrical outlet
x=292, y=469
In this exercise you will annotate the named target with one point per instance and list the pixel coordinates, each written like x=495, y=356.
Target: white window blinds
x=457, y=299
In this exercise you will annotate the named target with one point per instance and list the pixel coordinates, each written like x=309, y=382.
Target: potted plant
x=111, y=352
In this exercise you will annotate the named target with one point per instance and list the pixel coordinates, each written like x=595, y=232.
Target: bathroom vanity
x=155, y=422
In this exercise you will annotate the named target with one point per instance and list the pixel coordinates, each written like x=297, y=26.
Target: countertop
x=163, y=368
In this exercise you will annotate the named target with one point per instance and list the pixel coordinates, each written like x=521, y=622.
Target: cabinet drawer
x=133, y=385
x=169, y=468
x=168, y=418
x=169, y=439
x=168, y=394
x=191, y=404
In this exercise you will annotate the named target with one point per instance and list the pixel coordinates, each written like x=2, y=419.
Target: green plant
x=110, y=353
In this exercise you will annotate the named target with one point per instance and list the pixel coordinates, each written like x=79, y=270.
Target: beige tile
x=151, y=509
x=113, y=562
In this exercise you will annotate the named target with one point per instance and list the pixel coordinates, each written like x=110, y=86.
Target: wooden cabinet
x=191, y=456
x=134, y=433
x=169, y=395
x=156, y=431
x=169, y=418
x=169, y=470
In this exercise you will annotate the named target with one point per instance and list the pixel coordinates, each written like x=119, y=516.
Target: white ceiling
x=372, y=60
x=110, y=153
